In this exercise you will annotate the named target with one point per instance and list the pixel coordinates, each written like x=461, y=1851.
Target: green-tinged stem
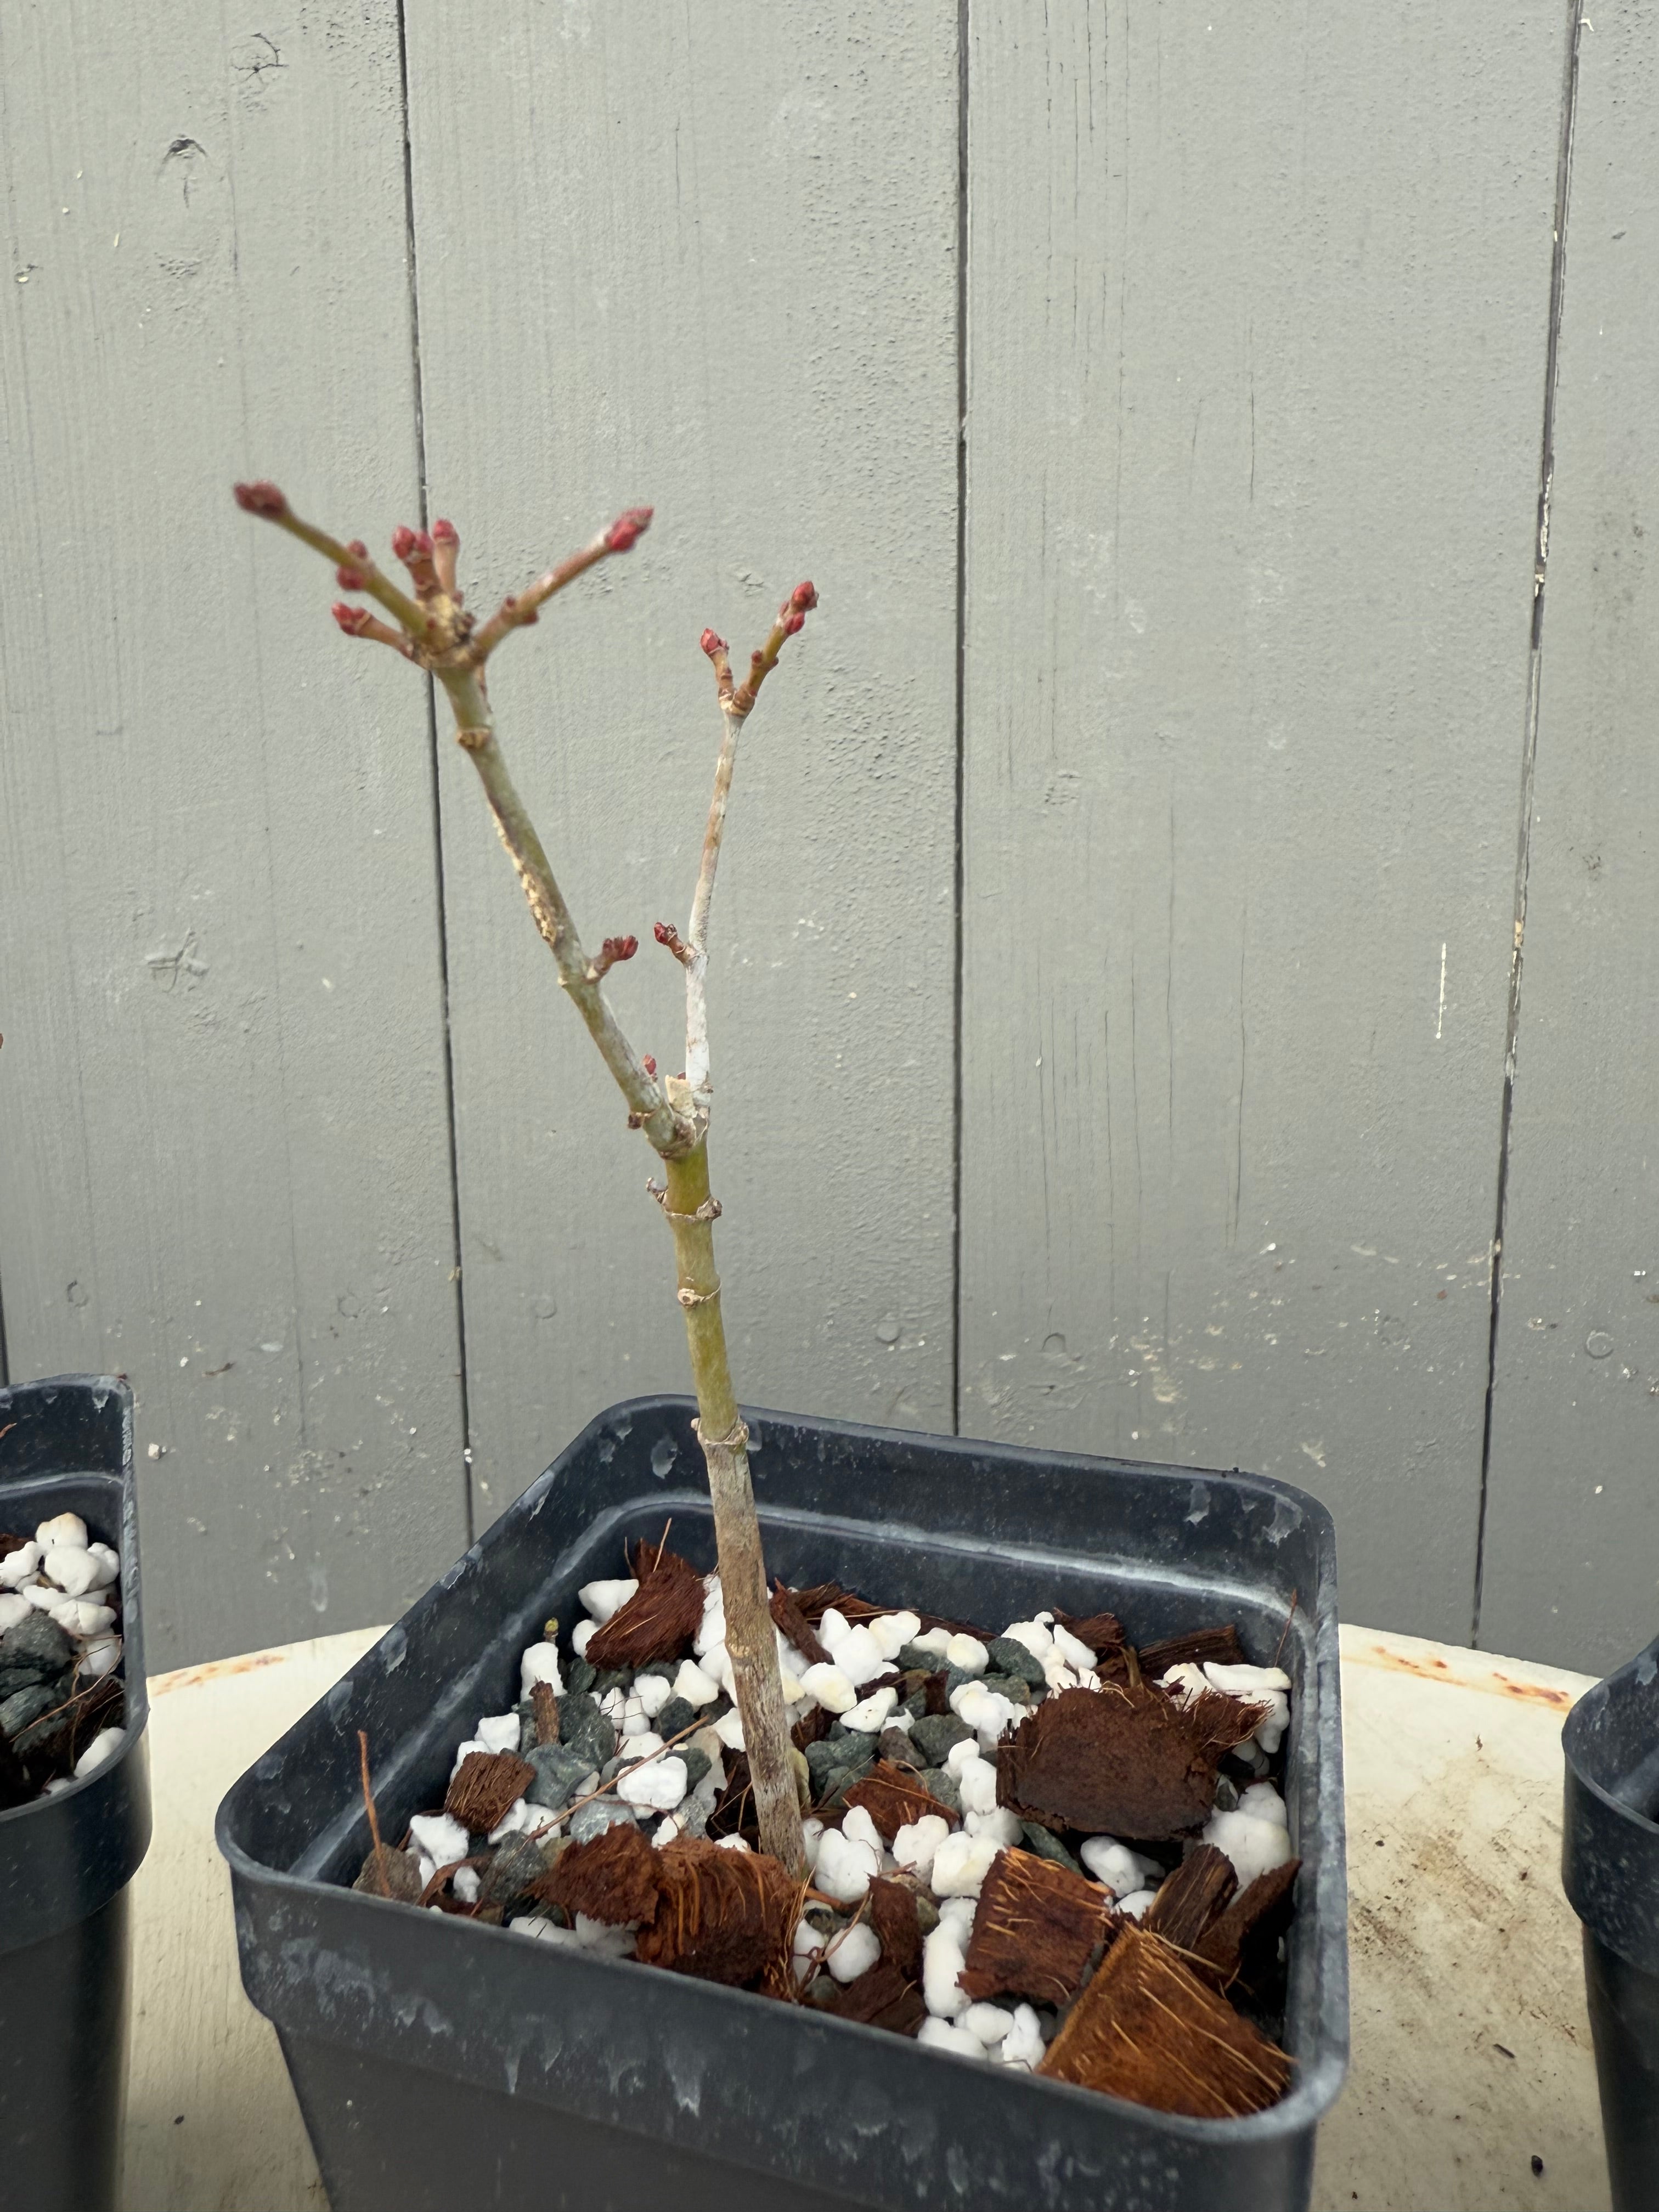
x=396, y=604
x=647, y=1104
x=750, y=1636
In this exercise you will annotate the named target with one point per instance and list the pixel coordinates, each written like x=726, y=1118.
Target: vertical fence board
x=1572, y=1547
x=702, y=257
x=1257, y=309
x=225, y=1168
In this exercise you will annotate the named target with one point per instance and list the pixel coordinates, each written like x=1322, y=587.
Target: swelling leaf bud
x=260, y=499
x=626, y=532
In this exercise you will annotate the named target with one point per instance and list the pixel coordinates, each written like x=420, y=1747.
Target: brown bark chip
x=617, y=1877
x=891, y=1912
x=814, y=1603
x=1037, y=1928
x=796, y=1629
x=883, y=1997
x=659, y=1621
x=1147, y=2029
x=1218, y=1719
x=1259, y=1911
x=724, y=1916
x=1196, y=1893
x=893, y=1801
x=1101, y=1632
x=811, y=1728
x=1120, y=1760
x=483, y=1787
x=544, y=1706
x=1221, y=1646
x=390, y=1874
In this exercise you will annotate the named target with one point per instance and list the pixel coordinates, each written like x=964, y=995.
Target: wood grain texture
x=225, y=1167
x=1255, y=374
x=1572, y=1549
x=703, y=258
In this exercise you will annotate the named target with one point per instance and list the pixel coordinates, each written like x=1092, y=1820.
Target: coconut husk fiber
x=659, y=1621
x=615, y=1877
x=894, y=1800
x=1122, y=1760
x=724, y=1916
x=1146, y=2029
x=1037, y=1929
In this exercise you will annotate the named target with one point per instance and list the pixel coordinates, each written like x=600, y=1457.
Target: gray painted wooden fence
x=1116, y=988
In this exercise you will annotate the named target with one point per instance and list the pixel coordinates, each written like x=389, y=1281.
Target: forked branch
x=435, y=631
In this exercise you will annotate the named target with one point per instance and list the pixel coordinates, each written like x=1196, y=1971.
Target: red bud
x=626, y=532
x=358, y=547
x=804, y=598
x=648, y=1064
x=664, y=932
x=349, y=580
x=758, y=658
x=444, y=533
x=260, y=499
x=712, y=644
x=792, y=624
x=353, y=621
x=405, y=541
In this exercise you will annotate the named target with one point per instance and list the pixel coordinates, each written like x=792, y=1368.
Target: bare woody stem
x=441, y=636
x=647, y=1105
x=751, y=1639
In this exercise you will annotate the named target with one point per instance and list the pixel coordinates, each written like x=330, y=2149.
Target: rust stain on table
x=189, y=1678
x=1492, y=1682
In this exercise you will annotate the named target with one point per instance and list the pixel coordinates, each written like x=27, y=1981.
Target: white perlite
x=961, y=1864
x=942, y=1960
x=854, y=1953
x=540, y=1663
x=660, y=1785
x=601, y=1600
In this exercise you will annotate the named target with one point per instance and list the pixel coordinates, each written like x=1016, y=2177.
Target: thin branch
x=649, y=1107
x=736, y=706
x=357, y=622
x=264, y=499
x=373, y=1817
x=520, y=609
x=440, y=642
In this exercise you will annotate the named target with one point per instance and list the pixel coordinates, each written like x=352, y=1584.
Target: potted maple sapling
x=1069, y=1886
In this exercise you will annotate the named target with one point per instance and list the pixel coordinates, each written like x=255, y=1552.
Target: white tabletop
x=1471, y=2048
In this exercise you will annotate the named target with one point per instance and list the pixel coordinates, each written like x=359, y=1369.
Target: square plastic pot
x=66, y=1861
x=440, y=2063
x=1610, y=1869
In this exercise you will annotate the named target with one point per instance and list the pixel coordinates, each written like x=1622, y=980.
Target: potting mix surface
x=1043, y=1848
x=61, y=1706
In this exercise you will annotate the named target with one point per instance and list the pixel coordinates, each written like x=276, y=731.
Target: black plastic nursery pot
x=440, y=2062
x=66, y=1861
x=1610, y=1868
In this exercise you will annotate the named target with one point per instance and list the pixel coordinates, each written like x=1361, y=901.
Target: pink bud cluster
x=796, y=608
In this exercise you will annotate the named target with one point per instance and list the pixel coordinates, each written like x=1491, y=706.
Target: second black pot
x=1610, y=1869
x=66, y=1861
x=440, y=2062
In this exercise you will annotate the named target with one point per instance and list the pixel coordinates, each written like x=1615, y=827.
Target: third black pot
x=66, y=1861
x=439, y=2062
x=1610, y=1868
